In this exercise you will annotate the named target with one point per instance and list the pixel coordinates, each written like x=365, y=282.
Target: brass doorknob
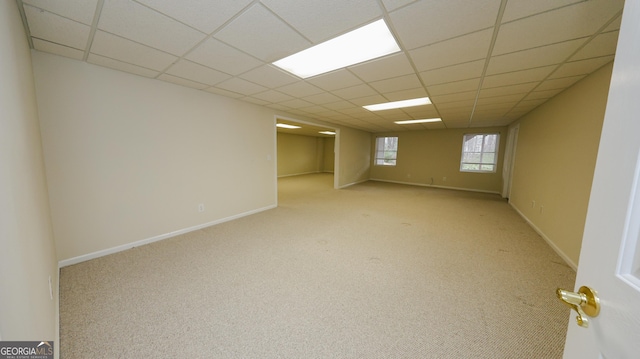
x=585, y=302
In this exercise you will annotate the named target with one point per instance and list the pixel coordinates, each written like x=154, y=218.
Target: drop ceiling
x=482, y=62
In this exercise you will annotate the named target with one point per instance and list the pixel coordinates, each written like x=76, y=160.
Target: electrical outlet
x=201, y=207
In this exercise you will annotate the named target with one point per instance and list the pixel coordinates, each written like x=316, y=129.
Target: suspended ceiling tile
x=459, y=72
x=322, y=98
x=602, y=45
x=560, y=83
x=462, y=49
x=122, y=66
x=77, y=10
x=369, y=100
x=614, y=25
x=536, y=57
x=435, y=125
x=466, y=105
x=460, y=96
x=217, y=55
x=395, y=84
x=272, y=96
x=194, y=72
x=255, y=101
x=420, y=112
x=204, y=15
x=383, y=68
x=225, y=93
x=124, y=50
x=517, y=77
x=427, y=22
x=241, y=86
x=517, y=9
x=405, y=94
x=547, y=94
x=507, y=90
x=335, y=80
x=355, y=92
x=454, y=87
x=57, y=49
x=269, y=76
x=582, y=67
x=456, y=123
x=321, y=20
x=260, y=33
x=182, y=82
x=391, y=5
x=277, y=106
x=300, y=89
x=57, y=29
x=489, y=122
x=570, y=22
x=501, y=99
x=296, y=103
x=141, y=24
x=337, y=106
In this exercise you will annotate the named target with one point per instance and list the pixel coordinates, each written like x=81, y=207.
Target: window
x=479, y=153
x=386, y=151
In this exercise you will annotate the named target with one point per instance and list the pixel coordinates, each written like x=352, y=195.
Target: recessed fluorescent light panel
x=399, y=104
x=327, y=132
x=365, y=43
x=284, y=125
x=425, y=120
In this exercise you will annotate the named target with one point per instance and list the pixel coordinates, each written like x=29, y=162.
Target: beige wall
x=329, y=154
x=299, y=154
x=130, y=159
x=427, y=157
x=555, y=160
x=27, y=252
x=354, y=162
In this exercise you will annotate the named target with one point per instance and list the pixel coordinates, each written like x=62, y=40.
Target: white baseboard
x=352, y=184
x=124, y=247
x=299, y=174
x=436, y=186
x=547, y=239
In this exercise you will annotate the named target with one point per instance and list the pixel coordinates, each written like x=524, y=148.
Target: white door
x=610, y=256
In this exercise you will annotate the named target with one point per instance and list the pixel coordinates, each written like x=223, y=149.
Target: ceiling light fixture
x=399, y=104
x=425, y=120
x=362, y=44
x=327, y=132
x=284, y=125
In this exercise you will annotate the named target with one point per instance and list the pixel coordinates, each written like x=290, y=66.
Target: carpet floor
x=376, y=270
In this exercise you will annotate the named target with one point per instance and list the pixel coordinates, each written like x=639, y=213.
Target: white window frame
x=483, y=152
x=381, y=155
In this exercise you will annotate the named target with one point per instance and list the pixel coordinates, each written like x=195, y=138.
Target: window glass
x=479, y=152
x=386, y=151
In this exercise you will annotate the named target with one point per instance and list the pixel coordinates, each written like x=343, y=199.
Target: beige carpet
x=376, y=270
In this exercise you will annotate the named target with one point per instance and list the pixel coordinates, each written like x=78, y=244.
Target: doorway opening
x=306, y=148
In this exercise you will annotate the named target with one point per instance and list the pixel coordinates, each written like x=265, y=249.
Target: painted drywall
x=432, y=158
x=555, y=159
x=354, y=162
x=130, y=158
x=299, y=154
x=329, y=154
x=27, y=251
